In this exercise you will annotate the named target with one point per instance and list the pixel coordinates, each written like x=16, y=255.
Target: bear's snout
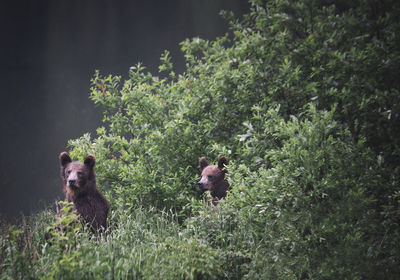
x=200, y=186
x=72, y=183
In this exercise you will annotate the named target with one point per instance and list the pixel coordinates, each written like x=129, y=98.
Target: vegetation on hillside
x=303, y=98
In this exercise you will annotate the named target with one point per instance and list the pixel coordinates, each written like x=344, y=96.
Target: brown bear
x=80, y=188
x=213, y=179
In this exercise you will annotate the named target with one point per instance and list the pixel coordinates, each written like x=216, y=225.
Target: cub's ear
x=90, y=161
x=203, y=163
x=222, y=161
x=64, y=159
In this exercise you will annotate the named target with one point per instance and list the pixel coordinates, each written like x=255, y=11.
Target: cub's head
x=213, y=177
x=76, y=175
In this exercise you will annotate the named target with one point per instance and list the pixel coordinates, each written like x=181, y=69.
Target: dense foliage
x=303, y=98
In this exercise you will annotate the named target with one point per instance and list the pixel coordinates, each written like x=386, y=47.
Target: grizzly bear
x=213, y=179
x=80, y=188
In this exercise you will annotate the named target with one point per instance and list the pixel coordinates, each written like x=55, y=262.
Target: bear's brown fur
x=80, y=188
x=213, y=179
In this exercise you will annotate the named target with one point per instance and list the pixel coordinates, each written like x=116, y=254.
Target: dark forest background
x=48, y=53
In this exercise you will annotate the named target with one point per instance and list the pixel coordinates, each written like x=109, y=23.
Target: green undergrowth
x=139, y=244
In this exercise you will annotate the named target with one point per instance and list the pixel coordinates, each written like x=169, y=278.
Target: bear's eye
x=68, y=172
x=210, y=177
x=79, y=174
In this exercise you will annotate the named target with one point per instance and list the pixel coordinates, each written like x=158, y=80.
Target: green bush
x=312, y=214
x=302, y=97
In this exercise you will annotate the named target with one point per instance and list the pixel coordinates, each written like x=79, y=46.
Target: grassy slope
x=144, y=244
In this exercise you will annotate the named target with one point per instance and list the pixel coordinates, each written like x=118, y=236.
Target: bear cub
x=213, y=179
x=80, y=188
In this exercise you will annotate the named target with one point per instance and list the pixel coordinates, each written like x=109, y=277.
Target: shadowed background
x=48, y=53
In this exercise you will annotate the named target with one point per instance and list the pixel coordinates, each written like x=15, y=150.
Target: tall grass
x=139, y=244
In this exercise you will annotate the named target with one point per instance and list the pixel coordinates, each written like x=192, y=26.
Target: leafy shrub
x=303, y=98
x=282, y=54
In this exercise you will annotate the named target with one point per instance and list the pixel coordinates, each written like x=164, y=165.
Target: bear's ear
x=222, y=161
x=64, y=159
x=203, y=163
x=90, y=160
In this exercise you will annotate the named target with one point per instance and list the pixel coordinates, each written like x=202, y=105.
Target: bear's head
x=213, y=178
x=77, y=175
